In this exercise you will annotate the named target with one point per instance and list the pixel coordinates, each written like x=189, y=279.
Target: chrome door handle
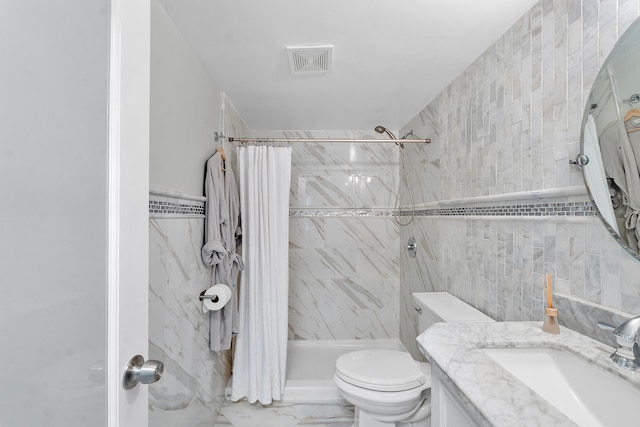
x=139, y=371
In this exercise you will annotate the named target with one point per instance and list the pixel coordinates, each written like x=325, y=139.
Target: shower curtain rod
x=396, y=141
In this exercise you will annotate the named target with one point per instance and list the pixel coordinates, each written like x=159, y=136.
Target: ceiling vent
x=310, y=59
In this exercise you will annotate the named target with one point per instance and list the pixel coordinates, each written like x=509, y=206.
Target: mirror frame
x=587, y=110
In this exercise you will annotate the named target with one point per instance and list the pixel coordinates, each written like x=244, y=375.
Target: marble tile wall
x=344, y=278
x=192, y=388
x=343, y=245
x=340, y=175
x=509, y=124
x=419, y=274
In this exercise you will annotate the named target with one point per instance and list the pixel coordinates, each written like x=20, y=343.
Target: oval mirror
x=611, y=141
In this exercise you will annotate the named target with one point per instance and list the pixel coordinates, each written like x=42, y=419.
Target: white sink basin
x=586, y=394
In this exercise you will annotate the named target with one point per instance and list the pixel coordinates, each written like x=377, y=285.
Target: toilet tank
x=432, y=307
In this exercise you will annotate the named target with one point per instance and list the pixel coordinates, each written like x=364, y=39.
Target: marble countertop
x=488, y=391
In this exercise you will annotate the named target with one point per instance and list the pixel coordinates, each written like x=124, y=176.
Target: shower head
x=382, y=129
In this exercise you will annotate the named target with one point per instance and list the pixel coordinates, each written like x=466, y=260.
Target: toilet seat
x=380, y=370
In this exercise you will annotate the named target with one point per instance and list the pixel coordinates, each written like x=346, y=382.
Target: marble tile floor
x=285, y=414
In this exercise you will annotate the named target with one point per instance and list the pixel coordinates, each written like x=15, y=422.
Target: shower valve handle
x=411, y=247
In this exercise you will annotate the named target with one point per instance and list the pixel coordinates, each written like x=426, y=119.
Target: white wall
x=185, y=110
x=53, y=133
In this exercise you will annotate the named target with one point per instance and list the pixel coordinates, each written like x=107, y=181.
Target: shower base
x=311, y=365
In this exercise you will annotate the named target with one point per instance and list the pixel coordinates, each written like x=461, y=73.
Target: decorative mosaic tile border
x=160, y=207
x=164, y=205
x=337, y=213
x=171, y=204
x=575, y=209
x=520, y=209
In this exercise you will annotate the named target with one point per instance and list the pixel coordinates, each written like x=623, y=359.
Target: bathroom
x=512, y=121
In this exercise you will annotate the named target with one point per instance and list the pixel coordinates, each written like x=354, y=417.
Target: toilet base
x=422, y=418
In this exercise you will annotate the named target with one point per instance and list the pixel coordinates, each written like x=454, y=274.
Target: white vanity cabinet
x=446, y=409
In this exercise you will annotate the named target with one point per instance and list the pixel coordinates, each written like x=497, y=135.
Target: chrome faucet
x=628, y=338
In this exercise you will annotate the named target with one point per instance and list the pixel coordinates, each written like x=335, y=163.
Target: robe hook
x=633, y=99
x=218, y=136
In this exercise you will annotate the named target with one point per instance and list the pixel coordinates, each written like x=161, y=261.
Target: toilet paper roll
x=219, y=290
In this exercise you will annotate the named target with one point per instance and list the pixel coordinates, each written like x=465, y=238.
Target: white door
x=128, y=232
x=74, y=108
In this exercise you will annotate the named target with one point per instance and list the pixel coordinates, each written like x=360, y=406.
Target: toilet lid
x=382, y=370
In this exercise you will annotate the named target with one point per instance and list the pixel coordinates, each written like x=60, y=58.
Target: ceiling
x=390, y=59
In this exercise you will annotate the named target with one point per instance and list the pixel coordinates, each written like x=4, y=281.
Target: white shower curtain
x=261, y=345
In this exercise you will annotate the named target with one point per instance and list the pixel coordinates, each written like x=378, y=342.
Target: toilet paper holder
x=202, y=296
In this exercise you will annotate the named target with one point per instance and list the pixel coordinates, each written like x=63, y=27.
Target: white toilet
x=388, y=387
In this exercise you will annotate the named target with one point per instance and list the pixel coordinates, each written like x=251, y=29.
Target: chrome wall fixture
x=203, y=297
x=633, y=99
x=218, y=136
x=412, y=247
x=327, y=140
x=580, y=161
x=380, y=129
